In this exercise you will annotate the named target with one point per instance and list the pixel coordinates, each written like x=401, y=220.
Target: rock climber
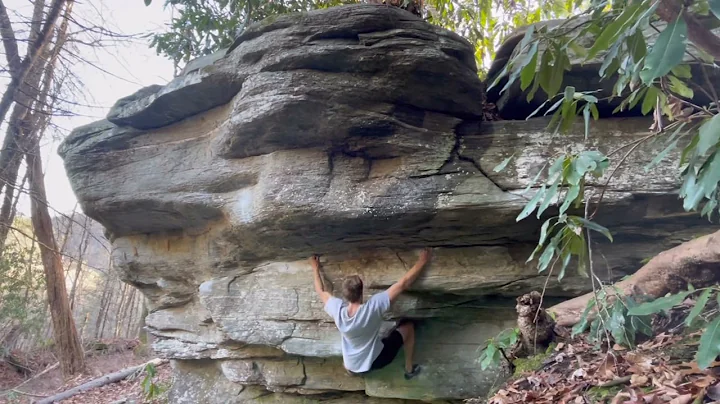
x=359, y=323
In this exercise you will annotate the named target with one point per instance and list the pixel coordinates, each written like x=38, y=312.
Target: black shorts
x=391, y=346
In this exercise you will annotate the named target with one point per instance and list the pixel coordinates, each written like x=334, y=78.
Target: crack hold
x=479, y=168
x=456, y=155
x=527, y=278
x=304, y=379
x=402, y=261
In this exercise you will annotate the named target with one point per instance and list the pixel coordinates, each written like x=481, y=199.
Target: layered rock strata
x=355, y=133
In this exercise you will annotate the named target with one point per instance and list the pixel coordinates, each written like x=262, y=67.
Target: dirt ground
x=118, y=356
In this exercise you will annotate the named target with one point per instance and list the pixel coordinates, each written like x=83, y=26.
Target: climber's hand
x=425, y=255
x=315, y=262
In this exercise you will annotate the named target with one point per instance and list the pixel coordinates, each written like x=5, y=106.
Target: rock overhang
x=354, y=132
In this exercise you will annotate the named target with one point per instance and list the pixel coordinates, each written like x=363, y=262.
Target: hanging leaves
x=667, y=52
x=658, y=305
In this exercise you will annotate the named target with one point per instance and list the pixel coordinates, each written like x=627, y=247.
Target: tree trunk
x=118, y=316
x=31, y=113
x=695, y=262
x=131, y=314
x=34, y=51
x=69, y=349
x=106, y=309
x=142, y=332
x=84, y=325
x=103, y=302
x=82, y=249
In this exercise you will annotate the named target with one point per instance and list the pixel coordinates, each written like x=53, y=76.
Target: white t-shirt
x=361, y=342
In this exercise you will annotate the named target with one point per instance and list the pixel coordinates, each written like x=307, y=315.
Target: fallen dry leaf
x=578, y=374
x=639, y=380
x=684, y=399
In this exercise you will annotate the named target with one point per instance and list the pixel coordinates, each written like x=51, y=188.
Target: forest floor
x=104, y=358
x=659, y=369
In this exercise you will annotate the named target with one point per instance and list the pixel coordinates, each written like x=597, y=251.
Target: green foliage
x=709, y=347
x=22, y=287
x=658, y=305
x=492, y=355
x=151, y=390
x=562, y=237
x=667, y=53
x=656, y=80
x=613, y=316
x=201, y=27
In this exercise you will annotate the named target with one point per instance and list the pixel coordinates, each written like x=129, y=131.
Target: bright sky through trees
x=129, y=66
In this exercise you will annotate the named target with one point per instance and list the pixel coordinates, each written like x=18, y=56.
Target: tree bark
x=695, y=262
x=103, y=302
x=9, y=42
x=69, y=348
x=82, y=249
x=132, y=309
x=33, y=52
x=142, y=332
x=31, y=112
x=698, y=34
x=106, y=309
x=118, y=314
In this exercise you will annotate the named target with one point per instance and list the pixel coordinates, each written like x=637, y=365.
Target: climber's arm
x=404, y=283
x=324, y=296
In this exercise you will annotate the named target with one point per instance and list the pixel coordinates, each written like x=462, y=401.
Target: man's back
x=360, y=332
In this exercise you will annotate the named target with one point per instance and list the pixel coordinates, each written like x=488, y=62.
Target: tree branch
x=698, y=34
x=33, y=52
x=9, y=41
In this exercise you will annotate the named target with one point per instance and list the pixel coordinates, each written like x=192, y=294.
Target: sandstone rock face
x=354, y=133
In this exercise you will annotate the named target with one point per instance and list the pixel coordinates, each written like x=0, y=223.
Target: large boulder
x=355, y=133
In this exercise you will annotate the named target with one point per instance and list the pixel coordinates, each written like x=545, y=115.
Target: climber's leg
x=391, y=346
x=407, y=330
x=403, y=334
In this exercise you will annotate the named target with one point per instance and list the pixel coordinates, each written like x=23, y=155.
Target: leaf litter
x=659, y=370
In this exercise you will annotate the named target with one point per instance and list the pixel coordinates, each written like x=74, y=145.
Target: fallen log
x=99, y=382
x=695, y=262
x=49, y=368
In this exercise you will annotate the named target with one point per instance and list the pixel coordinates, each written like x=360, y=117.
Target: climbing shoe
x=414, y=372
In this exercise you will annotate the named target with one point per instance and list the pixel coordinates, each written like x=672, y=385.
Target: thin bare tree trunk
x=68, y=229
x=103, y=303
x=34, y=51
x=118, y=316
x=106, y=309
x=84, y=325
x=82, y=249
x=142, y=332
x=131, y=313
x=69, y=349
x=32, y=96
